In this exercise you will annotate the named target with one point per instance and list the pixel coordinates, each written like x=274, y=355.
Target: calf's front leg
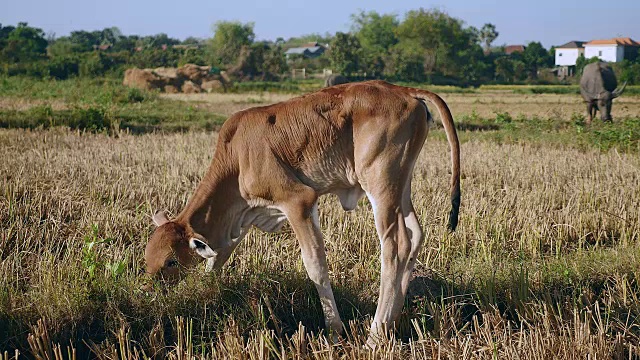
x=305, y=224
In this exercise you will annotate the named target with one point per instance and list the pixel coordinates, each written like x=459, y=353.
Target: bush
x=120, y=95
x=93, y=65
x=38, y=69
x=503, y=118
x=152, y=58
x=135, y=95
x=193, y=56
x=92, y=118
x=288, y=87
x=628, y=71
x=404, y=64
x=624, y=135
x=63, y=67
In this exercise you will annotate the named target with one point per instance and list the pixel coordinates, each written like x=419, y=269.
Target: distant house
x=510, y=49
x=309, y=50
x=566, y=57
x=612, y=50
x=568, y=54
x=103, y=47
x=187, y=46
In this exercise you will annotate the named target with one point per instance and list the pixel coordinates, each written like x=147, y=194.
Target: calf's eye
x=171, y=263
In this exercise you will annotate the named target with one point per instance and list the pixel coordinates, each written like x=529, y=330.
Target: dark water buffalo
x=598, y=88
x=335, y=79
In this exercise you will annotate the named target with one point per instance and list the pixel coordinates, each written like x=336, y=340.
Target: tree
x=376, y=34
x=519, y=69
x=192, y=41
x=441, y=38
x=375, y=31
x=126, y=43
x=228, y=39
x=156, y=41
x=61, y=47
x=628, y=71
x=581, y=62
x=196, y=56
x=110, y=36
x=504, y=69
x=275, y=62
x=84, y=40
x=474, y=66
x=405, y=63
x=24, y=44
x=344, y=54
x=304, y=39
x=4, y=34
x=155, y=57
x=535, y=56
x=487, y=35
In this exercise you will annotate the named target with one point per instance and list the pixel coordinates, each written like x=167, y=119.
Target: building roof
x=303, y=50
x=621, y=41
x=102, y=47
x=187, y=46
x=510, y=49
x=575, y=44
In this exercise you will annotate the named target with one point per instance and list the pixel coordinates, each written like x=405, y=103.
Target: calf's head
x=172, y=249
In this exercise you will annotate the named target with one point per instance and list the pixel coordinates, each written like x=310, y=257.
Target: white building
x=612, y=50
x=567, y=54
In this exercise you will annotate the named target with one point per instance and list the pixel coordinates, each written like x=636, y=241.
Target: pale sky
x=518, y=22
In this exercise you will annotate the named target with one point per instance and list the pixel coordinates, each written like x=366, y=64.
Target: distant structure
x=612, y=50
x=103, y=47
x=609, y=50
x=510, y=49
x=309, y=50
x=188, y=46
x=566, y=57
x=335, y=79
x=567, y=54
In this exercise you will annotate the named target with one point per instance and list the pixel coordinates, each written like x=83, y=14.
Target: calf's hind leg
x=401, y=240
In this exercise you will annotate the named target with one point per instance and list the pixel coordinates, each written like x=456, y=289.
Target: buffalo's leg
x=591, y=111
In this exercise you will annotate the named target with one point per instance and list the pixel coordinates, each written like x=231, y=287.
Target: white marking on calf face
x=211, y=262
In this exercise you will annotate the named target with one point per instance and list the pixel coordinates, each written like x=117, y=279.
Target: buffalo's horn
x=619, y=91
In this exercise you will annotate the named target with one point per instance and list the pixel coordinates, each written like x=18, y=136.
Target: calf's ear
x=202, y=249
x=160, y=218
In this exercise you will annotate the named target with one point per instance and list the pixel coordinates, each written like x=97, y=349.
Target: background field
x=545, y=262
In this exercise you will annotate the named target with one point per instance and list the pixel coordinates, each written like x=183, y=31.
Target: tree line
x=426, y=45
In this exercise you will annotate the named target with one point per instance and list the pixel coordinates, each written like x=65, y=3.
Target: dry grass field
x=483, y=103
x=545, y=262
